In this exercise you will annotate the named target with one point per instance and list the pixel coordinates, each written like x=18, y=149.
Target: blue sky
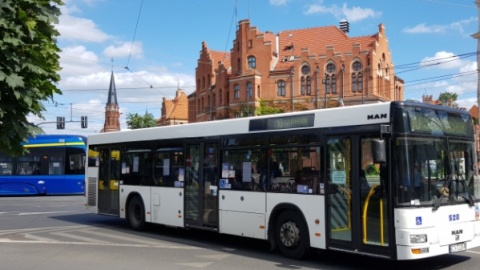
x=155, y=46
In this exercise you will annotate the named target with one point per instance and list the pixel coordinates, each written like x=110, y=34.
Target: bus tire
x=291, y=235
x=136, y=213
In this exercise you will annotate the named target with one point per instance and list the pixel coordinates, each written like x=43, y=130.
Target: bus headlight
x=418, y=238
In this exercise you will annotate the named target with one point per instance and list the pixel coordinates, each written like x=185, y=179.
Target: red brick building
x=293, y=70
x=174, y=111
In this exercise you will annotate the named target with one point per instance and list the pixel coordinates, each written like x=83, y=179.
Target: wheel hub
x=289, y=234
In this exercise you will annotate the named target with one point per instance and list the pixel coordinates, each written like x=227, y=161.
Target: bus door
x=108, y=181
x=201, y=185
x=356, y=202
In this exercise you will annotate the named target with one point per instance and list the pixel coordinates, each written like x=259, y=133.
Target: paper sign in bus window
x=338, y=177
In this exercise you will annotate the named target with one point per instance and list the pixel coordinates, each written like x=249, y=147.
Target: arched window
x=281, y=88
x=334, y=84
x=357, y=76
x=303, y=86
x=330, y=79
x=309, y=85
x=252, y=62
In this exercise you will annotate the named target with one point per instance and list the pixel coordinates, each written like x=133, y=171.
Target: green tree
x=135, y=121
x=445, y=98
x=268, y=107
x=29, y=66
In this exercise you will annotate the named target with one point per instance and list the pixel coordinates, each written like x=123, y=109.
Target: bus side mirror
x=378, y=151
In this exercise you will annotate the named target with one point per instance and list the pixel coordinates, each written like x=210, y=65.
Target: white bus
x=350, y=179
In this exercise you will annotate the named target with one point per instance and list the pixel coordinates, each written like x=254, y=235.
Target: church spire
x=112, y=92
x=112, y=110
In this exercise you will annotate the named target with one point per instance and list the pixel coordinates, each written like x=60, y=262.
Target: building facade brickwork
x=293, y=70
x=174, y=111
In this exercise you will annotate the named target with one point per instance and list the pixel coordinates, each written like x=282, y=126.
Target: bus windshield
x=434, y=171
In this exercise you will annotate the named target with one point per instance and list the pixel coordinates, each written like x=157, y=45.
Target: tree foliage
x=135, y=121
x=267, y=107
x=29, y=66
x=445, y=98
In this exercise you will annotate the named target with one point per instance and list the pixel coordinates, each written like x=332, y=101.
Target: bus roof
x=55, y=140
x=365, y=114
x=333, y=117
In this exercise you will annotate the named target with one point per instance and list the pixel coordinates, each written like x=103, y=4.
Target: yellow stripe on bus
x=53, y=144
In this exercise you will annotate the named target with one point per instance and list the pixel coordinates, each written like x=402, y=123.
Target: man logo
x=377, y=116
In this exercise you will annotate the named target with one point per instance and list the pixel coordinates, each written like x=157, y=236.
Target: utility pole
x=477, y=36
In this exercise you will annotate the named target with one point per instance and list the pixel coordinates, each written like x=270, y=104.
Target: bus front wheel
x=136, y=213
x=291, y=235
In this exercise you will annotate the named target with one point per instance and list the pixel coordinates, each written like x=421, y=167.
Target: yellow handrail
x=364, y=217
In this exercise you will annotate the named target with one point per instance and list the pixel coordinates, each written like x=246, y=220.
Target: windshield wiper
x=469, y=197
x=444, y=192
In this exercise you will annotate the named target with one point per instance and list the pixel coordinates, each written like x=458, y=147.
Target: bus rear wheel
x=136, y=213
x=291, y=235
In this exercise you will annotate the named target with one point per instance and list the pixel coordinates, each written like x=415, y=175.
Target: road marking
x=41, y=213
x=78, y=237
x=137, y=239
x=471, y=251
x=214, y=257
x=44, y=229
x=196, y=265
x=32, y=213
x=52, y=242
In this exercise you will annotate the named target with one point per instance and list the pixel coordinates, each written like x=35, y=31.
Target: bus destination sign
x=297, y=121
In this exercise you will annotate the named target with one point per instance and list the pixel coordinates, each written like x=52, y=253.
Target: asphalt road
x=58, y=233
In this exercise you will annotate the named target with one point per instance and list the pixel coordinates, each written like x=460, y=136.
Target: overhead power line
x=134, y=33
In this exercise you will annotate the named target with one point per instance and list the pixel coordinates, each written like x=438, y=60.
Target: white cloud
x=443, y=60
x=423, y=28
x=278, y=2
x=353, y=14
x=356, y=14
x=77, y=60
x=124, y=49
x=75, y=28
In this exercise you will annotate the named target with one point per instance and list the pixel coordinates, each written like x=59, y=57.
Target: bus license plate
x=458, y=247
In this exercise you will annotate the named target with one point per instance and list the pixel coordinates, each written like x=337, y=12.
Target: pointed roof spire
x=112, y=92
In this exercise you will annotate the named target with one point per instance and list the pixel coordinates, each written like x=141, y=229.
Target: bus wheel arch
x=136, y=212
x=288, y=231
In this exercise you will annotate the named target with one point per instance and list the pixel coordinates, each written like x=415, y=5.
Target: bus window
x=137, y=167
x=295, y=169
x=76, y=161
x=56, y=165
x=168, y=165
x=28, y=165
x=6, y=165
x=243, y=169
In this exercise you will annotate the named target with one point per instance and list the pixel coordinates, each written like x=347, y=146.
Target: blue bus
x=54, y=165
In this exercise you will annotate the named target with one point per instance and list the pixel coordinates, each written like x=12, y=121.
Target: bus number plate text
x=458, y=247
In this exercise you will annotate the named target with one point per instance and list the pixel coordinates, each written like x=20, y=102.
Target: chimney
x=344, y=26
